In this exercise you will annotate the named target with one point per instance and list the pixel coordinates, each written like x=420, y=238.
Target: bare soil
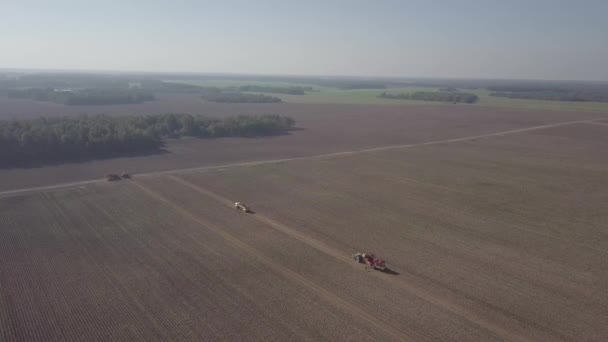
x=321, y=129
x=495, y=239
x=511, y=228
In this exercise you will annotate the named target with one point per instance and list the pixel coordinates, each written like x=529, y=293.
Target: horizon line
x=312, y=76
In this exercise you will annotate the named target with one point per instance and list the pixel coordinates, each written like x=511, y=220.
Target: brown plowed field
x=493, y=239
x=516, y=226
x=323, y=129
x=90, y=266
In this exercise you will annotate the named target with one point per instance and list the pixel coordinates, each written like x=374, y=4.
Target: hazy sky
x=546, y=39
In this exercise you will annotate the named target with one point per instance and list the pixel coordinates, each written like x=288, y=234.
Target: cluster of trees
x=441, y=96
x=83, y=96
x=213, y=94
x=139, y=92
x=178, y=125
x=47, y=140
x=291, y=90
x=554, y=95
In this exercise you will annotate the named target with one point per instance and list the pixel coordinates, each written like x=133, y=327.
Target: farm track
x=384, y=300
x=204, y=243
x=597, y=122
x=332, y=298
x=451, y=240
x=273, y=329
x=344, y=257
x=320, y=156
x=168, y=251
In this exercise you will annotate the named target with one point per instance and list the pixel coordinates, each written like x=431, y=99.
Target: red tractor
x=370, y=260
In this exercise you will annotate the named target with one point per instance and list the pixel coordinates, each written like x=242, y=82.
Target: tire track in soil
x=172, y=249
x=463, y=312
x=288, y=273
x=595, y=122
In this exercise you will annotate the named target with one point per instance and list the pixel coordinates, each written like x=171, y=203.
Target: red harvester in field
x=370, y=260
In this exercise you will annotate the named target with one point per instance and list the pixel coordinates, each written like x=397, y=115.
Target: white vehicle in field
x=242, y=207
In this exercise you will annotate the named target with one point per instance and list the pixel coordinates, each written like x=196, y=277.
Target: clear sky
x=533, y=39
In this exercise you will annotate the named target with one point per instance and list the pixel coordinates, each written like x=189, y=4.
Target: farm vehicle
x=242, y=207
x=111, y=177
x=370, y=260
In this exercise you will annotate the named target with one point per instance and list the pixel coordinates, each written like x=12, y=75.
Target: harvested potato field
x=321, y=129
x=495, y=238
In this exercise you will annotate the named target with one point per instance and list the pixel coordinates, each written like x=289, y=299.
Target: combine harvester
x=370, y=260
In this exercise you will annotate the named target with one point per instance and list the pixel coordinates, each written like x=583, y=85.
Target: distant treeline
x=291, y=90
x=159, y=86
x=440, y=96
x=354, y=85
x=154, y=83
x=554, y=95
x=214, y=94
x=345, y=83
x=83, y=96
x=47, y=140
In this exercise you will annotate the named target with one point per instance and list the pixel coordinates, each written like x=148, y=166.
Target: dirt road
x=320, y=156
